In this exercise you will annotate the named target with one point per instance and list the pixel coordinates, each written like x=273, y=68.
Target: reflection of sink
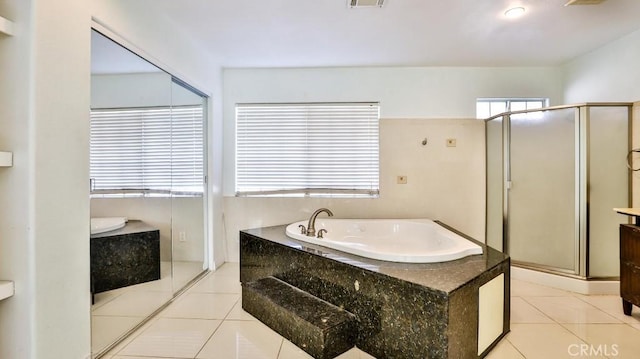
x=106, y=224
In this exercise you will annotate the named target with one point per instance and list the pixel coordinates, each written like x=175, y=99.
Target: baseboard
x=590, y=287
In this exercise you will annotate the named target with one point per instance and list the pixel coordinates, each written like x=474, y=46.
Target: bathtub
x=394, y=240
x=106, y=224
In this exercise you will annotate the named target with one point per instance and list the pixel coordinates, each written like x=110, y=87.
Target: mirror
x=148, y=162
x=187, y=196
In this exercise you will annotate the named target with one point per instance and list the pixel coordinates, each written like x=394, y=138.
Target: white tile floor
x=208, y=322
x=117, y=311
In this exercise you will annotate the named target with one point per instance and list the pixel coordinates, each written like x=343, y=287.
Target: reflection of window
x=307, y=149
x=147, y=150
x=488, y=107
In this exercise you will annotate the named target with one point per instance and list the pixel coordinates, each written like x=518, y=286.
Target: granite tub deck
x=125, y=256
x=401, y=310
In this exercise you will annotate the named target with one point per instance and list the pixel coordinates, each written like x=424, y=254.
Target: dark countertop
x=444, y=276
x=132, y=226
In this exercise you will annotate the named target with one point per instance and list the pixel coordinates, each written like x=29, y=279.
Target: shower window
x=149, y=150
x=488, y=107
x=308, y=149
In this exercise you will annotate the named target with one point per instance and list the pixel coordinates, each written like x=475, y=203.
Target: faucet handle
x=320, y=232
x=303, y=230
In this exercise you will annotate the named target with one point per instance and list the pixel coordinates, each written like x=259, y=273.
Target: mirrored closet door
x=147, y=168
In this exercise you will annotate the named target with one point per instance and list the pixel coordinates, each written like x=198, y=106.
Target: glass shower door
x=608, y=186
x=543, y=189
x=495, y=177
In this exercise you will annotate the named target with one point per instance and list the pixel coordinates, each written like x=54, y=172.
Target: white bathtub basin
x=106, y=224
x=394, y=240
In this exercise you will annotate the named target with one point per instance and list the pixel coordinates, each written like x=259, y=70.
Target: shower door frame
x=582, y=157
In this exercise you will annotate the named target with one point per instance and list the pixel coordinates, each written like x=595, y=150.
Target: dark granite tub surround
x=126, y=256
x=402, y=310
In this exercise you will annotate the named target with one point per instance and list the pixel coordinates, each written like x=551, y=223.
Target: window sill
x=151, y=194
x=307, y=195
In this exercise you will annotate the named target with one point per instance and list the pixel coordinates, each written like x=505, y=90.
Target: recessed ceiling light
x=514, y=12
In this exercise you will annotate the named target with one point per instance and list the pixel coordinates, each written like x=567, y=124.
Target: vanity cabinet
x=629, y=266
x=124, y=257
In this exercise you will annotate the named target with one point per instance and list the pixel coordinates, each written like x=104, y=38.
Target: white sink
x=106, y=224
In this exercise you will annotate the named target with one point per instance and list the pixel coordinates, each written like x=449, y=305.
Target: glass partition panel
x=494, y=183
x=542, y=194
x=608, y=186
x=188, y=187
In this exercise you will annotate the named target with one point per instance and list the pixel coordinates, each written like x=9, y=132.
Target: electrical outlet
x=402, y=180
x=182, y=236
x=451, y=142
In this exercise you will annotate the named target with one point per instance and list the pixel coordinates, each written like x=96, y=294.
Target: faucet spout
x=311, y=227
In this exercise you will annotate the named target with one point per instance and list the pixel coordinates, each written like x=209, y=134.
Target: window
x=150, y=151
x=313, y=149
x=489, y=107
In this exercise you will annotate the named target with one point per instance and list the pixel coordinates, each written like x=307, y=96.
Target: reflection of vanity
x=124, y=257
x=630, y=260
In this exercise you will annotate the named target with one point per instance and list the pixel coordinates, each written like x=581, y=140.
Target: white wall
x=610, y=73
x=437, y=103
x=44, y=203
x=44, y=98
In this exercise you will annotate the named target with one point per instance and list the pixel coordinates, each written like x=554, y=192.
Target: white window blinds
x=310, y=149
x=147, y=150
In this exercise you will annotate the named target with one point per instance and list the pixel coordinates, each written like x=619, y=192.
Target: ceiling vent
x=366, y=3
x=584, y=2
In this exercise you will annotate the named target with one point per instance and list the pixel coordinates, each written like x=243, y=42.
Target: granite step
x=318, y=327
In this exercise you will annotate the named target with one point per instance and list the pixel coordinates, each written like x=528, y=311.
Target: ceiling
x=321, y=33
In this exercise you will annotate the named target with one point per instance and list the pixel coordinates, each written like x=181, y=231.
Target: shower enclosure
x=553, y=177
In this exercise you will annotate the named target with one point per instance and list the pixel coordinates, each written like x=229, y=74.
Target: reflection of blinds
x=319, y=148
x=147, y=149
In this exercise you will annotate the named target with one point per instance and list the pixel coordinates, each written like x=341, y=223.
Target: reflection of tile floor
x=117, y=311
x=207, y=322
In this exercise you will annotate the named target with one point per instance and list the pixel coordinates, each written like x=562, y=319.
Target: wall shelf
x=6, y=26
x=7, y=289
x=6, y=159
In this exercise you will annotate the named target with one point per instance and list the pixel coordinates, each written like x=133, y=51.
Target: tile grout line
x=564, y=327
x=589, y=304
x=538, y=310
x=516, y=348
x=215, y=330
